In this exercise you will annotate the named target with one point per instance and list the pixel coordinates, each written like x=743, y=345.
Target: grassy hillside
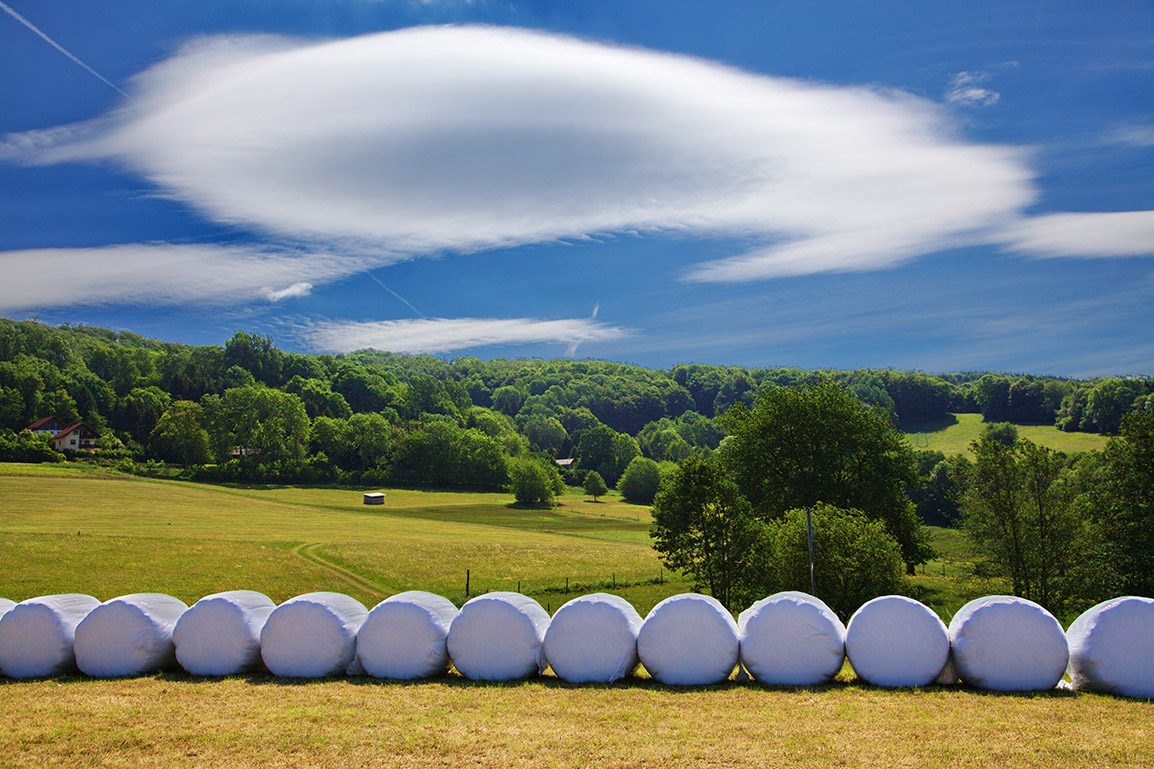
x=75, y=529
x=955, y=435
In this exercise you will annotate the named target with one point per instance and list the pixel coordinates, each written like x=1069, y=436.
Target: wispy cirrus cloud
x=163, y=274
x=1083, y=235
x=967, y=90
x=436, y=335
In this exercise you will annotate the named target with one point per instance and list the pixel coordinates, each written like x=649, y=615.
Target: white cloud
x=161, y=274
x=965, y=90
x=1140, y=136
x=469, y=138
x=434, y=335
x=291, y=292
x=1122, y=233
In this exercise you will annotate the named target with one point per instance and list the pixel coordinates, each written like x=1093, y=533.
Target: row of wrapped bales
x=996, y=642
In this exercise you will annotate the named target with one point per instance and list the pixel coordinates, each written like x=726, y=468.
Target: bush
x=532, y=482
x=26, y=447
x=594, y=485
x=640, y=482
x=855, y=558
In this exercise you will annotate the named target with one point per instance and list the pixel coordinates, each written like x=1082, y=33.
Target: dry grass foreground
x=179, y=721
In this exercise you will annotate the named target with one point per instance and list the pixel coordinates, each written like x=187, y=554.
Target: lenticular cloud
x=467, y=138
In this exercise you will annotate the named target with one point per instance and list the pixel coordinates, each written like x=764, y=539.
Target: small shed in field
x=374, y=498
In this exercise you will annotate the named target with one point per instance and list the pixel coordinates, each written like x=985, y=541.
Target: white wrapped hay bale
x=6, y=606
x=219, y=635
x=37, y=635
x=1112, y=647
x=406, y=636
x=499, y=637
x=897, y=641
x=689, y=640
x=1006, y=643
x=313, y=636
x=791, y=638
x=593, y=639
x=129, y=635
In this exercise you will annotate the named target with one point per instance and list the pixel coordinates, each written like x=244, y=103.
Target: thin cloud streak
x=1121, y=233
x=163, y=274
x=62, y=49
x=437, y=335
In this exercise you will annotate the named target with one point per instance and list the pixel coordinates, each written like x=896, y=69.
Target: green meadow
x=955, y=434
x=72, y=528
x=66, y=528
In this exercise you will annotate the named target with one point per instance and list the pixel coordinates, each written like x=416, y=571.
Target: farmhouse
x=65, y=437
x=47, y=425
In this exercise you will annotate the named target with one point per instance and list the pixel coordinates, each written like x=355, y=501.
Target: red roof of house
x=41, y=422
x=67, y=430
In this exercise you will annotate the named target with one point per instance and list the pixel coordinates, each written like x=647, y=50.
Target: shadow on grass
x=932, y=425
x=632, y=683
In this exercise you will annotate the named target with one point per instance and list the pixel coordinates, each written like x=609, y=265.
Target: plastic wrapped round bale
x=689, y=640
x=313, y=636
x=593, y=639
x=1006, y=643
x=405, y=636
x=128, y=635
x=1112, y=647
x=37, y=635
x=791, y=638
x=897, y=641
x=499, y=637
x=219, y=635
x=6, y=605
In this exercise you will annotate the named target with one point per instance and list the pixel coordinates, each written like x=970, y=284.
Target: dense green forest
x=250, y=411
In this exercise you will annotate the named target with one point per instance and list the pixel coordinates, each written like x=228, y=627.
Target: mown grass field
x=80, y=529
x=956, y=434
x=69, y=528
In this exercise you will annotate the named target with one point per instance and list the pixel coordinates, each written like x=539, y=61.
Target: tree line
x=1064, y=531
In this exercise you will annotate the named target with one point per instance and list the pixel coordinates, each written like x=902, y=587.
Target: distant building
x=47, y=425
x=75, y=438
x=565, y=464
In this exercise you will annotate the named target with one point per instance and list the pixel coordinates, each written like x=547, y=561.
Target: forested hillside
x=249, y=411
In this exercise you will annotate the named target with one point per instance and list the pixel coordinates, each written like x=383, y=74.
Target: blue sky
x=933, y=185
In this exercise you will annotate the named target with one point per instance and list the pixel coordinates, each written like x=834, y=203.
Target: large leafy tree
x=1019, y=512
x=180, y=434
x=801, y=445
x=266, y=424
x=1122, y=502
x=608, y=452
x=704, y=527
x=640, y=482
x=855, y=558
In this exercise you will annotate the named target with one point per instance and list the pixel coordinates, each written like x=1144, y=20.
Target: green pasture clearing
x=175, y=720
x=72, y=528
x=955, y=435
